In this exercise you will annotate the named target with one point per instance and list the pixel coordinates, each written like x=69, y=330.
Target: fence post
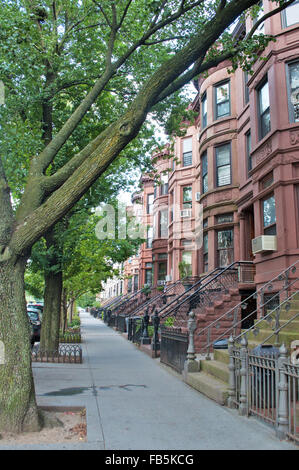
x=243, y=408
x=156, y=342
x=145, y=339
x=282, y=389
x=191, y=364
x=232, y=379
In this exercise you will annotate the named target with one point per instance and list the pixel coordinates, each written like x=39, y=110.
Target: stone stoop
x=287, y=334
x=210, y=314
x=212, y=378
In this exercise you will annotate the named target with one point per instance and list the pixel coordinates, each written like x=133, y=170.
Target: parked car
x=39, y=306
x=34, y=319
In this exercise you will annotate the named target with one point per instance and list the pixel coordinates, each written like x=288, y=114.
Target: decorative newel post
x=232, y=379
x=145, y=337
x=191, y=364
x=243, y=408
x=156, y=342
x=283, y=411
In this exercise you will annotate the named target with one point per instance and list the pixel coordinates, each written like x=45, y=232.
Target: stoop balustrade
x=264, y=381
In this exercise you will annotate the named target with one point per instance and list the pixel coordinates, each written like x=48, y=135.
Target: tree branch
x=266, y=16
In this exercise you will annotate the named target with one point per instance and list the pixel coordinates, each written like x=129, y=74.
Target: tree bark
x=18, y=408
x=52, y=300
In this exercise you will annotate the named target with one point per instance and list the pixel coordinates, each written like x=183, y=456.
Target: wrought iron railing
x=161, y=298
x=173, y=349
x=202, y=294
x=132, y=299
x=266, y=385
x=231, y=321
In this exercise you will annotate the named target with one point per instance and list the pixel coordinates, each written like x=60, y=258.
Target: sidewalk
x=133, y=402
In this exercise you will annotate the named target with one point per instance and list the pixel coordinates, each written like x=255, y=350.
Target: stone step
x=291, y=327
x=221, y=355
x=208, y=385
x=284, y=337
x=217, y=369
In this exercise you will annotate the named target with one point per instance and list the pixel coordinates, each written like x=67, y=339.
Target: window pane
x=269, y=211
x=223, y=155
x=164, y=223
x=225, y=239
x=265, y=124
x=205, y=243
x=187, y=194
x=223, y=175
x=222, y=93
x=264, y=98
x=205, y=184
x=292, y=14
x=187, y=257
x=187, y=145
x=204, y=110
x=294, y=89
x=248, y=150
x=223, y=109
x=187, y=159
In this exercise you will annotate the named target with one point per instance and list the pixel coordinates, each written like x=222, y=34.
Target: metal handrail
x=244, y=333
x=222, y=270
x=236, y=324
x=249, y=297
x=153, y=299
x=116, y=300
x=133, y=294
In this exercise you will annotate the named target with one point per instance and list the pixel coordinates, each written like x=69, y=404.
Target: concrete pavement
x=133, y=402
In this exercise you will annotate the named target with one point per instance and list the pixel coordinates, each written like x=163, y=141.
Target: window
x=148, y=274
x=155, y=192
x=225, y=247
x=204, y=173
x=205, y=222
x=164, y=185
x=205, y=253
x=150, y=203
x=204, y=111
x=163, y=223
x=267, y=181
x=135, y=282
x=224, y=218
x=130, y=284
x=264, y=110
x=187, y=151
x=149, y=237
x=293, y=90
x=290, y=15
x=246, y=89
x=223, y=165
x=222, y=100
x=187, y=259
x=187, y=197
x=261, y=28
x=269, y=216
x=248, y=151
x=162, y=271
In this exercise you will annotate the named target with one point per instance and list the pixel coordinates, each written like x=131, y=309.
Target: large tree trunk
x=52, y=300
x=18, y=408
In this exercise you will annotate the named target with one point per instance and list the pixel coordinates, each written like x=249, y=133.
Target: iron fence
x=66, y=353
x=173, y=349
x=265, y=385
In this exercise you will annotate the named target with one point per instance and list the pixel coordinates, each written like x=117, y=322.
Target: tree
x=172, y=42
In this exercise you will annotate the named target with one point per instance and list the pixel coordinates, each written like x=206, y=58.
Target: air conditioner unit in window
x=186, y=213
x=161, y=283
x=264, y=243
x=197, y=196
x=168, y=278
